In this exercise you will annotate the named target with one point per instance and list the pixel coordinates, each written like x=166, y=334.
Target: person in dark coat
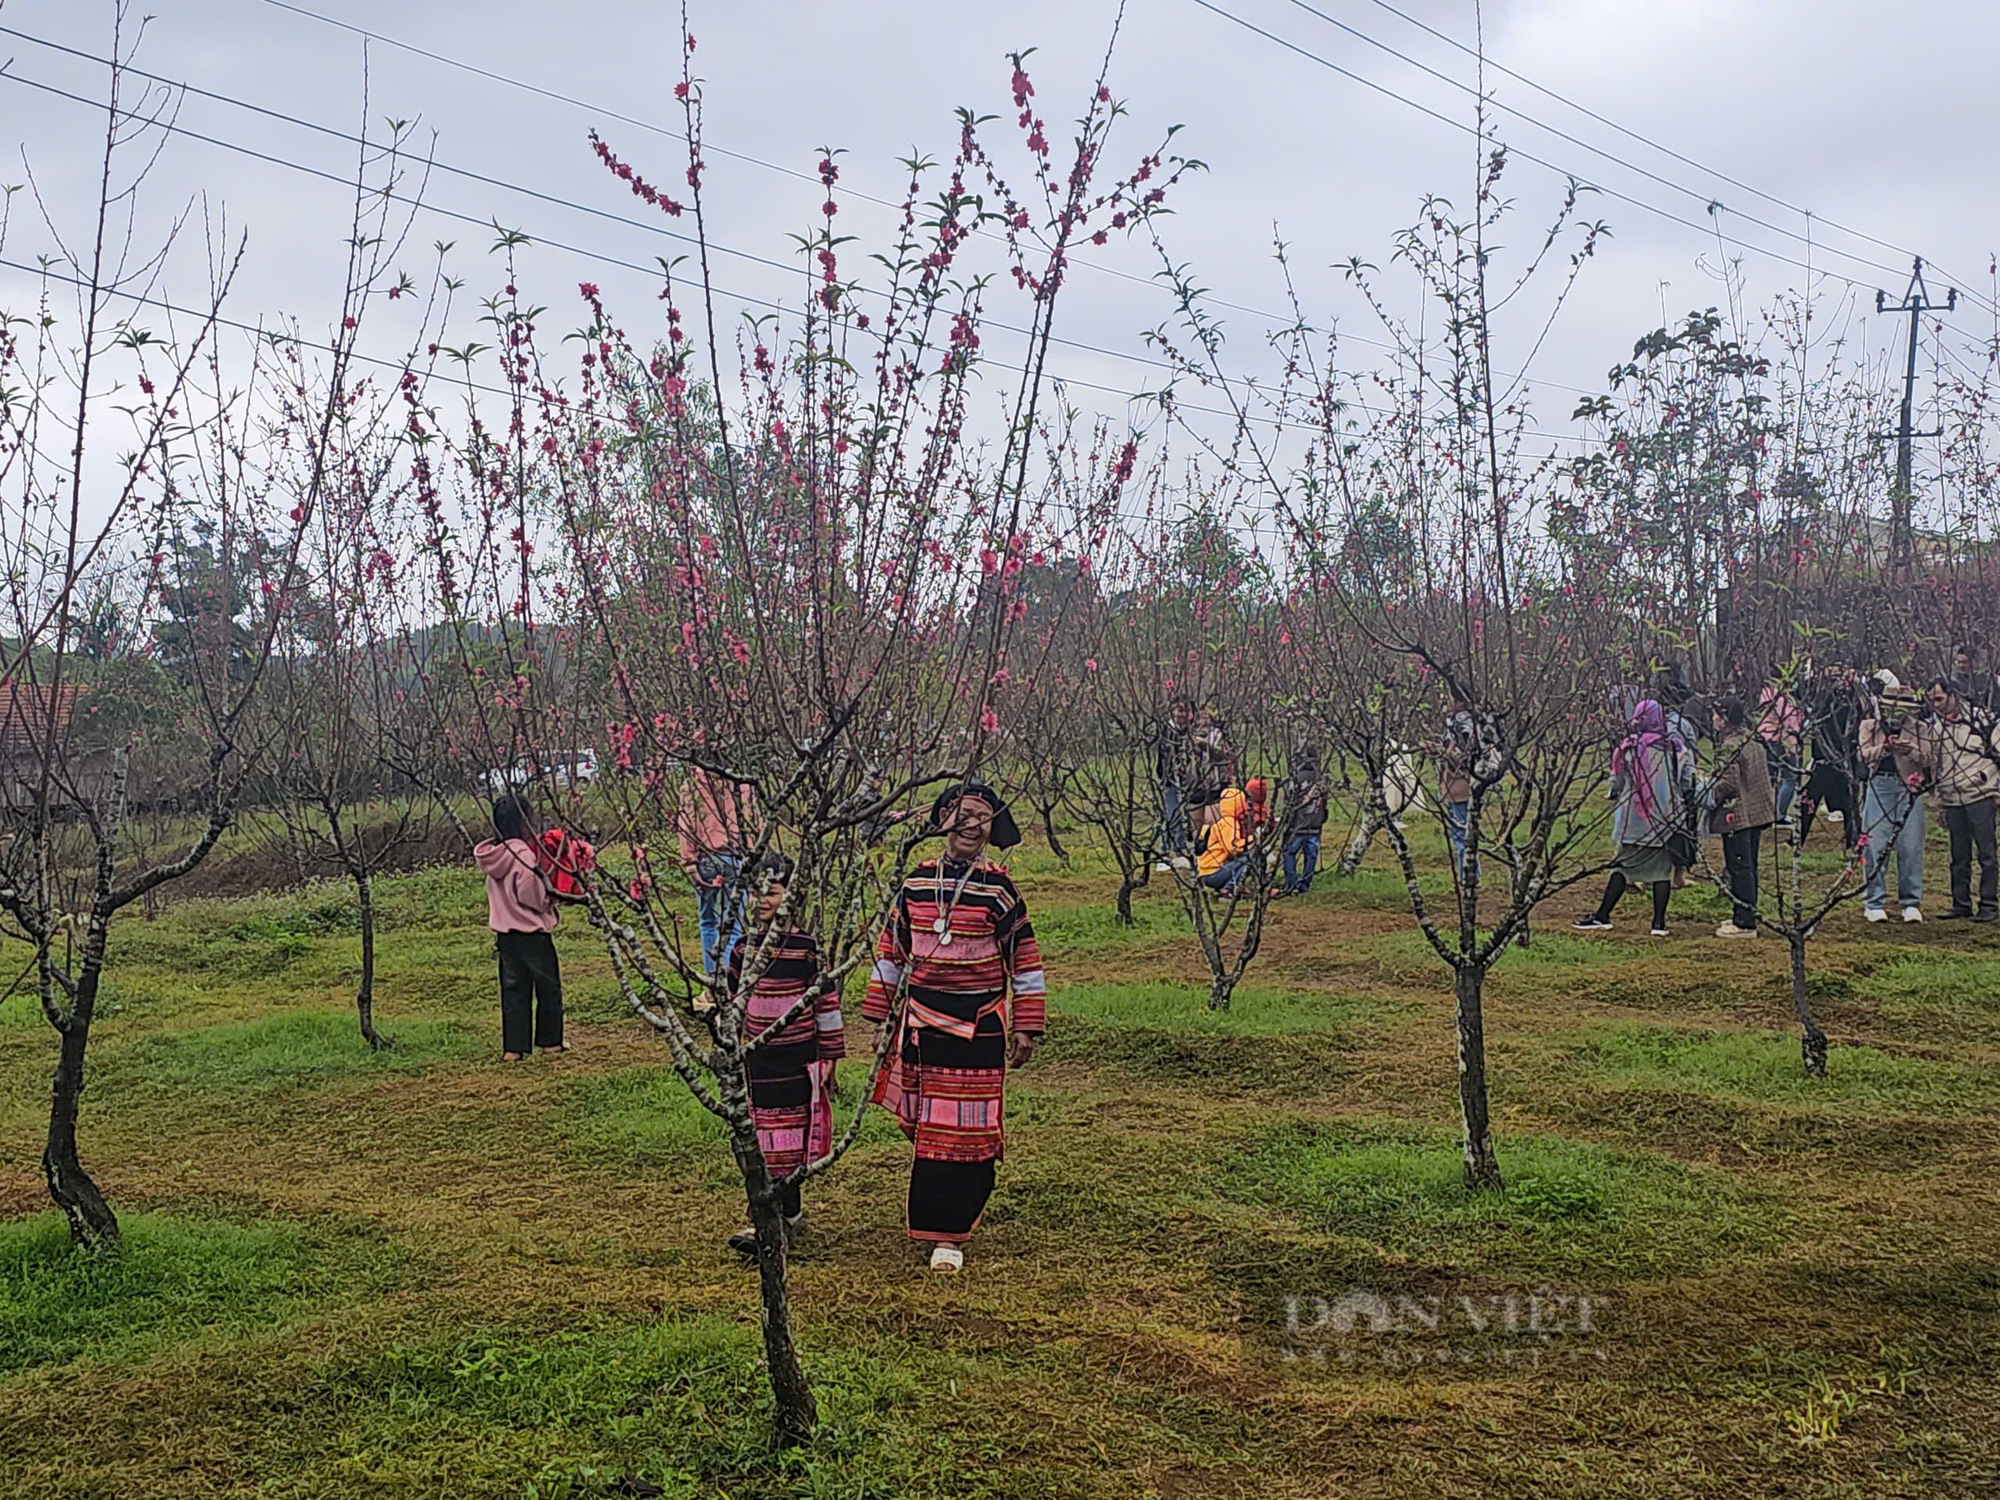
x=1745, y=805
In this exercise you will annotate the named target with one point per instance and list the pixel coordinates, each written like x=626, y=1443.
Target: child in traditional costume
x=793, y=1036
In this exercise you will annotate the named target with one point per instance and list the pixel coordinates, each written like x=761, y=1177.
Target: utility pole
x=1916, y=302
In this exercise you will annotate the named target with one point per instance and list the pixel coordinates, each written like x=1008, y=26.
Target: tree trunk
x=1357, y=850
x=91, y=1221
x=1520, y=883
x=1219, y=991
x=1049, y=829
x=364, y=994
x=301, y=869
x=1482, y=1167
x=1133, y=876
x=1812, y=1041
x=794, y=1413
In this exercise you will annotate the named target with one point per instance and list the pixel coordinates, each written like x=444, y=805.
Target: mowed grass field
x=424, y=1274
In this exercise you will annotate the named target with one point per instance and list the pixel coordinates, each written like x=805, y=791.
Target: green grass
x=300, y=1049
x=643, y=1120
x=680, y=1405
x=646, y=1120
x=1080, y=931
x=1268, y=1041
x=1367, y=889
x=1182, y=1006
x=1765, y=1068
x=166, y=1281
x=1407, y=957
x=1172, y=1176
x=1568, y=1208
x=1945, y=980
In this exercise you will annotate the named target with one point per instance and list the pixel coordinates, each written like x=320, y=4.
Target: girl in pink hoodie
x=521, y=910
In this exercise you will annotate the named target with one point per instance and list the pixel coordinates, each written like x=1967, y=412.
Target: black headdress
x=1006, y=832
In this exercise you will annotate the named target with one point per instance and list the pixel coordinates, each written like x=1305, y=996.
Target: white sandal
x=947, y=1260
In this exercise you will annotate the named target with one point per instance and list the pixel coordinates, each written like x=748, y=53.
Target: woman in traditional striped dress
x=960, y=953
x=791, y=1069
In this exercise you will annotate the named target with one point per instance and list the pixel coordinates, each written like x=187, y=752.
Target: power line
x=601, y=258
x=509, y=81
x=160, y=304
x=644, y=225
x=1563, y=135
x=707, y=146
x=1460, y=125
x=403, y=366
x=1639, y=136
x=1256, y=527
x=595, y=257
x=492, y=76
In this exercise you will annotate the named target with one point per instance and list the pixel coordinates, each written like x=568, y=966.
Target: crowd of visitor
x=1866, y=752
x=958, y=973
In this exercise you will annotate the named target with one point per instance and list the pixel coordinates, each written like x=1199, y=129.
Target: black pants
x=948, y=1198
x=530, y=991
x=1830, y=788
x=1618, y=885
x=1739, y=858
x=1971, y=828
x=781, y=1096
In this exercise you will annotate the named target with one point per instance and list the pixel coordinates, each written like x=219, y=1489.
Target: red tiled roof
x=24, y=716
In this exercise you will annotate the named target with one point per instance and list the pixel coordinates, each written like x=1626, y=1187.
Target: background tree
x=1491, y=643
x=80, y=607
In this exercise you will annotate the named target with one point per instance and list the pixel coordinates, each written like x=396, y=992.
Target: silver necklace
x=942, y=926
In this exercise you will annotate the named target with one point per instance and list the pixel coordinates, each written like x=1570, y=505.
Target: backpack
x=571, y=857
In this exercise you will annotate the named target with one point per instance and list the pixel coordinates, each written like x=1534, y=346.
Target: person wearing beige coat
x=1955, y=751
x=1745, y=805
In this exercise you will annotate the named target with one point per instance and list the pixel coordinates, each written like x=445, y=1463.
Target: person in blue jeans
x=1226, y=847
x=710, y=823
x=1229, y=876
x=1781, y=726
x=1173, y=763
x=1892, y=810
x=1456, y=753
x=1457, y=818
x=1305, y=819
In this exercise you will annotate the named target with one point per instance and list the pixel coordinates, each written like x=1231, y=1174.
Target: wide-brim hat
x=1005, y=834
x=1887, y=681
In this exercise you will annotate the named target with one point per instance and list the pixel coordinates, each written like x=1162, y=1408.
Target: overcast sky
x=1868, y=116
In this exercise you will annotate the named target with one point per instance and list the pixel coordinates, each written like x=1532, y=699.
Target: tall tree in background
x=1474, y=633
x=74, y=487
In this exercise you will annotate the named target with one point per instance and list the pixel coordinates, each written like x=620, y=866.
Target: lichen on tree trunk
x=795, y=1413
x=364, y=994
x=1812, y=1041
x=1482, y=1167
x=91, y=1221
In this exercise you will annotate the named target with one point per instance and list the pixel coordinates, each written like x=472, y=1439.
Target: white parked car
x=578, y=770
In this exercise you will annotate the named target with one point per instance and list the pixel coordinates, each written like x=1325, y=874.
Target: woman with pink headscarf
x=1648, y=771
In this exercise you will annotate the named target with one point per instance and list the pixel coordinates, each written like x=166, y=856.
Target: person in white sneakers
x=1954, y=748
x=958, y=974
x=1892, y=803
